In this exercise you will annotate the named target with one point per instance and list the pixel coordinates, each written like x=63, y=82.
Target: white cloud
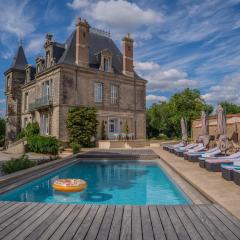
x=2, y=100
x=164, y=80
x=155, y=98
x=78, y=4
x=226, y=90
x=15, y=18
x=35, y=45
x=123, y=14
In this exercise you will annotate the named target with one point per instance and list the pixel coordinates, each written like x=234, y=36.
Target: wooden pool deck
x=20, y=220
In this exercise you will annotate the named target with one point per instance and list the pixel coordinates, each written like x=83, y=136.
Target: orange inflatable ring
x=69, y=185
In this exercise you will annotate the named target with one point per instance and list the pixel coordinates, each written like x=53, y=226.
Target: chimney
x=82, y=43
x=127, y=45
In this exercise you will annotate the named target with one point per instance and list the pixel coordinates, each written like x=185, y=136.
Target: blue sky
x=178, y=44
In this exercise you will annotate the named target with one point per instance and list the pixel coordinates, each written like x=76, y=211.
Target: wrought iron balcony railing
x=39, y=103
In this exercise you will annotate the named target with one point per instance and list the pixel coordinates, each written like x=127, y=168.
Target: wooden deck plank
x=106, y=223
x=95, y=226
x=136, y=223
x=32, y=226
x=69, y=234
x=215, y=220
x=20, y=226
x=14, y=211
x=202, y=230
x=115, y=229
x=225, y=220
x=146, y=224
x=8, y=208
x=232, y=218
x=156, y=224
x=215, y=232
x=66, y=223
x=167, y=225
x=16, y=216
x=177, y=224
x=54, y=226
x=39, y=230
x=19, y=221
x=126, y=227
x=33, y=221
x=192, y=232
x=86, y=223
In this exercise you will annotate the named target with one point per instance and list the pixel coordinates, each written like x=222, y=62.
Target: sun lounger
x=227, y=170
x=213, y=164
x=179, y=151
x=168, y=147
x=194, y=156
x=236, y=176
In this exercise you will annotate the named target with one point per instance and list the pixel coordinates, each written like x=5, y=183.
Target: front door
x=113, y=128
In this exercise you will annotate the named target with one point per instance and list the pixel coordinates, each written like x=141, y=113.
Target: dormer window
x=106, y=61
x=106, y=64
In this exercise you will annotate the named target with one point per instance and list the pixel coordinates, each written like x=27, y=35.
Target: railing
x=40, y=103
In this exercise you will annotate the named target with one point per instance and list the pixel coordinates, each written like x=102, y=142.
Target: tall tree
x=165, y=117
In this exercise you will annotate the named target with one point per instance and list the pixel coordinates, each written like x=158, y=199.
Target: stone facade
x=69, y=79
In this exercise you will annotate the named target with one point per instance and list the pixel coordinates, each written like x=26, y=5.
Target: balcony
x=40, y=103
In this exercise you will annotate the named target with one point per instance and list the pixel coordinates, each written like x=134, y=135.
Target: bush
x=75, y=147
x=103, y=131
x=17, y=164
x=43, y=144
x=82, y=125
x=32, y=129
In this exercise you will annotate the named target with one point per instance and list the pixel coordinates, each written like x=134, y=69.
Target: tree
x=103, y=131
x=164, y=118
x=230, y=108
x=2, y=128
x=82, y=125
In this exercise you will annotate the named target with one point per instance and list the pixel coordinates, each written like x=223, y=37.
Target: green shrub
x=31, y=129
x=75, y=147
x=17, y=164
x=43, y=144
x=103, y=131
x=82, y=125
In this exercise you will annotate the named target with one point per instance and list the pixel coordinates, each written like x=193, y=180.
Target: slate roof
x=19, y=61
x=97, y=43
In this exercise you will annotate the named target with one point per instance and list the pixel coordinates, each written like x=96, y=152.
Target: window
x=106, y=64
x=26, y=101
x=98, y=92
x=38, y=68
x=114, y=94
x=47, y=89
x=44, y=124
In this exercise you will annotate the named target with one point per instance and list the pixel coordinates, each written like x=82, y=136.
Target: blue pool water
x=131, y=183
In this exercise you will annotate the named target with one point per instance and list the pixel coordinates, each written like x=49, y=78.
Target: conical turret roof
x=19, y=61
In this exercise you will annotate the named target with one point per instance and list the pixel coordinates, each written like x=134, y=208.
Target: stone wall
x=233, y=124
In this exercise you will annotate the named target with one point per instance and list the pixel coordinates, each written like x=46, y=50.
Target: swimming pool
x=109, y=182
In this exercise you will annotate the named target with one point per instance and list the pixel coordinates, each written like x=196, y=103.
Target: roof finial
x=20, y=42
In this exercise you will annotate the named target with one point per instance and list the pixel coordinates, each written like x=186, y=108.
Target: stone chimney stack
x=127, y=45
x=82, y=43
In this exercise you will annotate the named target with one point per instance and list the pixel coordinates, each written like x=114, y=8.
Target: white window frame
x=106, y=64
x=44, y=123
x=114, y=94
x=98, y=92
